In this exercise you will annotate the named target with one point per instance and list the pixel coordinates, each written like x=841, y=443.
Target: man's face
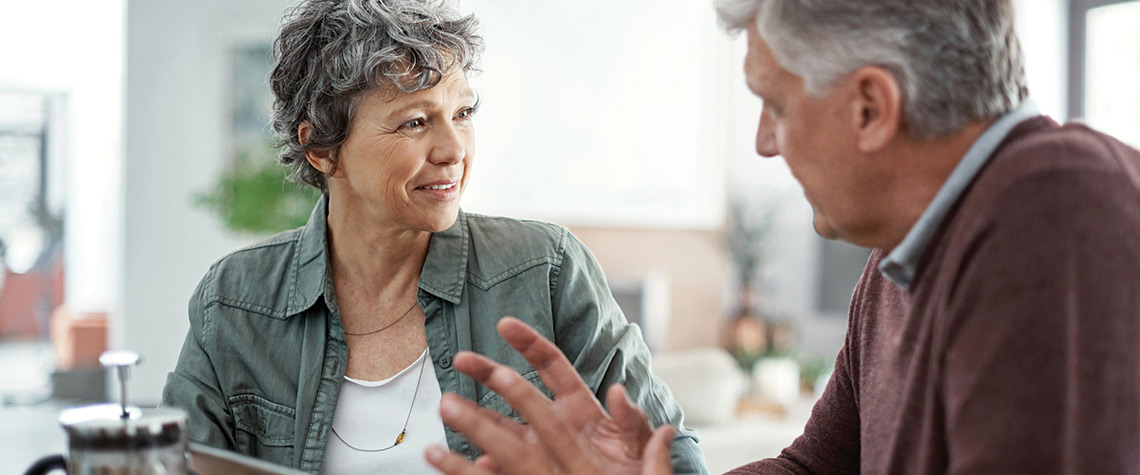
x=817, y=137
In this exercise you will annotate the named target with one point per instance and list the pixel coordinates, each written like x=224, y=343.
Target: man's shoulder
x=1041, y=160
x=256, y=277
x=1042, y=146
x=1048, y=184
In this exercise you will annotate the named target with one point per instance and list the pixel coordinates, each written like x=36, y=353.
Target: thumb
x=655, y=459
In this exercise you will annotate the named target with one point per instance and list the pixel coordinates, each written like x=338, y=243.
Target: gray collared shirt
x=900, y=265
x=262, y=366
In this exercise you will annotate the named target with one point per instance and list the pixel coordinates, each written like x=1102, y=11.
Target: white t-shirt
x=370, y=414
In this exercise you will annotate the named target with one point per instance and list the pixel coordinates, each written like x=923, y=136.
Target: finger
x=532, y=404
x=477, y=366
x=579, y=410
x=497, y=418
x=488, y=463
x=630, y=419
x=452, y=464
x=505, y=446
x=655, y=460
x=556, y=371
x=524, y=396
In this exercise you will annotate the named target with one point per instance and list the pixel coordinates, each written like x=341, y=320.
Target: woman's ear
x=879, y=108
x=319, y=158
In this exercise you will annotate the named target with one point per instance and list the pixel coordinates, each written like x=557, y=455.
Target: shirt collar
x=901, y=264
x=310, y=263
x=443, y=275
x=445, y=268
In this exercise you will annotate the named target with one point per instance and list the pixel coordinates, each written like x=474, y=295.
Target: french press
x=120, y=439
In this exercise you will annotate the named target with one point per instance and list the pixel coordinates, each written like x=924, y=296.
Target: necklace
x=404, y=430
x=385, y=327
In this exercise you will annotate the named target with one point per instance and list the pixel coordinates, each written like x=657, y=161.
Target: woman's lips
x=445, y=186
x=444, y=189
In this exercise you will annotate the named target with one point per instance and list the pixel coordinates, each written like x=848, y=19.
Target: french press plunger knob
x=122, y=362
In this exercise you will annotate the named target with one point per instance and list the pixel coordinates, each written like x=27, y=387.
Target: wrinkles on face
x=809, y=133
x=407, y=157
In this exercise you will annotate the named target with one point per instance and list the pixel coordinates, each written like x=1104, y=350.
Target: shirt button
x=445, y=362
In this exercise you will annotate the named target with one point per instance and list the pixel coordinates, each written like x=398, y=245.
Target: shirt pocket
x=492, y=400
x=264, y=429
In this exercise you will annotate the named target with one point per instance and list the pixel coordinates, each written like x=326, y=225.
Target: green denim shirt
x=263, y=362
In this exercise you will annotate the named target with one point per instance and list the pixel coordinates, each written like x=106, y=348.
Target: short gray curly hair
x=330, y=51
x=956, y=61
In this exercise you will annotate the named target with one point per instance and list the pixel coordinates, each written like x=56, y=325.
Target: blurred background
x=134, y=153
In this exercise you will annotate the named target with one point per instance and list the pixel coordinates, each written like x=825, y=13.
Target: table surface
x=758, y=432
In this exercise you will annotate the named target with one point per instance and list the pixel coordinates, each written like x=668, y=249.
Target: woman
x=327, y=348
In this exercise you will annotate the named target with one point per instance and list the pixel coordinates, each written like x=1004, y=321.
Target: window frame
x=1078, y=39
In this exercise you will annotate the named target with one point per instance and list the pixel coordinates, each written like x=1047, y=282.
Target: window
x=31, y=218
x=840, y=265
x=1111, y=69
x=31, y=240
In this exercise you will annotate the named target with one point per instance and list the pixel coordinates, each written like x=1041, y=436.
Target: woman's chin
x=443, y=221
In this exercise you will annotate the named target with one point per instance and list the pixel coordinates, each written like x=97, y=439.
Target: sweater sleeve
x=1041, y=362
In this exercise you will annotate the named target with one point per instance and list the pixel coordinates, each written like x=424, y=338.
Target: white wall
x=175, y=122
x=600, y=113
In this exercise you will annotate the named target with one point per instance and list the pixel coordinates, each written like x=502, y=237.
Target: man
x=996, y=327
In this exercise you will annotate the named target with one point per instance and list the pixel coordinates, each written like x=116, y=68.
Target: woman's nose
x=450, y=145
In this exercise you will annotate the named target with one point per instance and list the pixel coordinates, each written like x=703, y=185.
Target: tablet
x=207, y=460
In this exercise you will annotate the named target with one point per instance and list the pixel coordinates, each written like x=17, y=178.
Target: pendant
x=400, y=438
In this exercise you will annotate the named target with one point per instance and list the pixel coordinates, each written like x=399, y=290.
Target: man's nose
x=766, y=136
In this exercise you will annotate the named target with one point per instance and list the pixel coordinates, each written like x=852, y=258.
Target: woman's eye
x=413, y=124
x=466, y=113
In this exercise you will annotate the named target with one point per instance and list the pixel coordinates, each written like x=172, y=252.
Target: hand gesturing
x=571, y=434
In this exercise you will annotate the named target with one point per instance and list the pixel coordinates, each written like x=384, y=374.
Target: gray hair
x=331, y=51
x=956, y=61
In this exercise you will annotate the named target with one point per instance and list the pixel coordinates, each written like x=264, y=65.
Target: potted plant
x=254, y=196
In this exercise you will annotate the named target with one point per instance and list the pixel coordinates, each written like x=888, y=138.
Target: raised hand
x=571, y=434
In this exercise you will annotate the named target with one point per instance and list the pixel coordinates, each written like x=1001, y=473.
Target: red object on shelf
x=27, y=300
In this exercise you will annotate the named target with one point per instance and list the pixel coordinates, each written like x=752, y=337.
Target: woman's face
x=406, y=159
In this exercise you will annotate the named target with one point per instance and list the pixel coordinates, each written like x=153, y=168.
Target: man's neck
x=923, y=167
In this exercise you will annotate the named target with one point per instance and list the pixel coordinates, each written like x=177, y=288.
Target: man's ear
x=319, y=158
x=878, y=108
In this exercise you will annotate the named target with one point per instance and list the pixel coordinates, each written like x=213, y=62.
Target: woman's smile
x=443, y=189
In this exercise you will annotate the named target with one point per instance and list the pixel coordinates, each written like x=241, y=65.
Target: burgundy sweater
x=1018, y=348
